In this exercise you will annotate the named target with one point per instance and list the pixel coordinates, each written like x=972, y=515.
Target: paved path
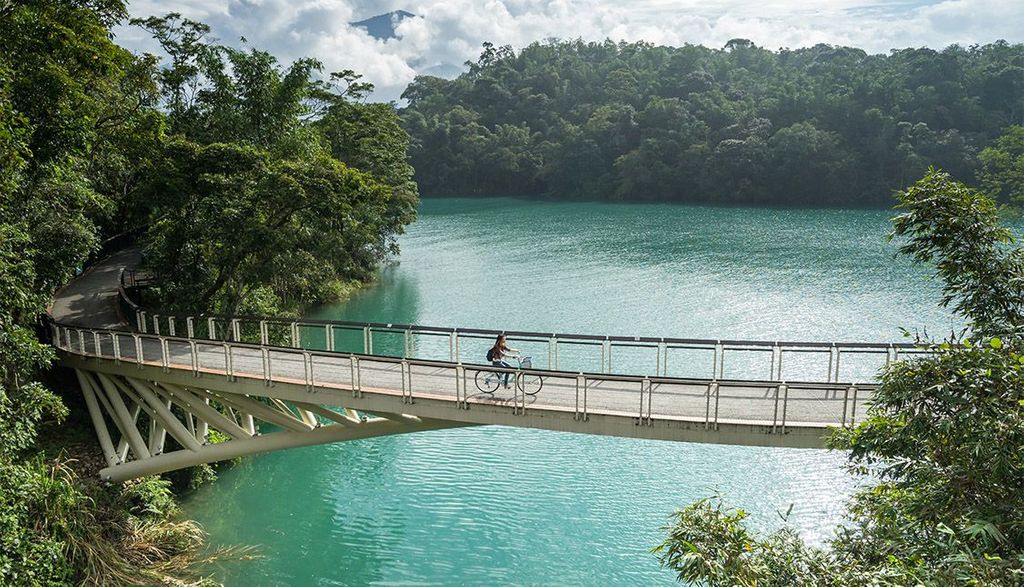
x=90, y=300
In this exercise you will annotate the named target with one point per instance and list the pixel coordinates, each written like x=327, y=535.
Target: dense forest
x=632, y=121
x=250, y=185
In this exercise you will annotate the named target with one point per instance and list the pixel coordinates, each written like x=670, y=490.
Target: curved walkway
x=90, y=300
x=131, y=380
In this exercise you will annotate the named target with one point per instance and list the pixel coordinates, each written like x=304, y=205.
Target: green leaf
x=996, y=342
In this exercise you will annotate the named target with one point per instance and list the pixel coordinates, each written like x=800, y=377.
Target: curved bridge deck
x=306, y=386
x=272, y=384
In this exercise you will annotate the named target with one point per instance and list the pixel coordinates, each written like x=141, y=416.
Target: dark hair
x=499, y=343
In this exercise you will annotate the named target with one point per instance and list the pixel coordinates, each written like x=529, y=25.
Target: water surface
x=495, y=505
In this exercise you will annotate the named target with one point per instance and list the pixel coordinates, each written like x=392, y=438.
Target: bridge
x=157, y=386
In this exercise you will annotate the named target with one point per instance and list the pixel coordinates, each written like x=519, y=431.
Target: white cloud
x=451, y=31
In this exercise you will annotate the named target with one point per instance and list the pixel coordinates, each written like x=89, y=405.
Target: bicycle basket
x=526, y=363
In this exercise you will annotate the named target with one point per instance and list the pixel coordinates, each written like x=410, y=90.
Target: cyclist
x=497, y=353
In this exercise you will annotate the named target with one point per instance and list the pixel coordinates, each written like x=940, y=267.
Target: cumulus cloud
x=450, y=32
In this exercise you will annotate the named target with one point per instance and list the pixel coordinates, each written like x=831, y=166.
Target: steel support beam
x=269, y=442
x=97, y=418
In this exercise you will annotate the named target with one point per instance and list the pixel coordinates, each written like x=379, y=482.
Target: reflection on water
x=496, y=505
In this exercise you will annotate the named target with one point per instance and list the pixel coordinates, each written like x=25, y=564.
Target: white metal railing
x=773, y=403
x=830, y=362
x=660, y=357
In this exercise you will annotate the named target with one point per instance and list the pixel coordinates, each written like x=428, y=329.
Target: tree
x=73, y=106
x=1002, y=167
x=276, y=190
x=942, y=445
x=231, y=221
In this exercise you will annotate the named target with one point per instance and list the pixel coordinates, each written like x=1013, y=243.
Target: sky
x=450, y=32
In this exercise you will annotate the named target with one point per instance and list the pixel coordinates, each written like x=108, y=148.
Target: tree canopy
x=250, y=185
x=822, y=125
x=276, y=188
x=942, y=446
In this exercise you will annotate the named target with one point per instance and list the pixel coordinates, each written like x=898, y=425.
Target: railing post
x=581, y=381
x=609, y=356
x=165, y=359
x=650, y=395
x=785, y=405
x=81, y=342
x=194, y=352
x=156, y=324
x=170, y=326
x=717, y=394
x=356, y=375
x=718, y=368
x=139, y=321
x=409, y=368
x=236, y=330
x=229, y=368
x=265, y=355
x=190, y=327
x=142, y=321
x=707, y=406
x=211, y=329
x=775, y=412
x=838, y=355
x=116, y=341
x=776, y=373
x=518, y=396
x=295, y=335
x=853, y=406
x=846, y=400
x=405, y=352
x=463, y=400
x=311, y=359
x=96, y=345
x=586, y=416
x=138, y=350
x=366, y=340
x=264, y=333
x=640, y=416
x=406, y=382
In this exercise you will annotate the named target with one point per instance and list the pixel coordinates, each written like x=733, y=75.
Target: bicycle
x=488, y=381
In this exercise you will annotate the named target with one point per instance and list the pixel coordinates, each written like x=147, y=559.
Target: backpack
x=491, y=354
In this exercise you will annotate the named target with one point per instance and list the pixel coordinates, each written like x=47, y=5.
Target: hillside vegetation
x=632, y=121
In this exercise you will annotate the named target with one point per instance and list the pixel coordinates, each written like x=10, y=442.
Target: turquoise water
x=498, y=505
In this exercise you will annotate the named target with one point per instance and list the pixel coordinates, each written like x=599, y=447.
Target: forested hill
x=816, y=126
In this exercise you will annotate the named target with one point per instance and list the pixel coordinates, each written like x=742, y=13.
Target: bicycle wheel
x=529, y=384
x=486, y=381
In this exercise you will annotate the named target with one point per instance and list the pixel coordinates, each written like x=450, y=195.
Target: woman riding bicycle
x=497, y=353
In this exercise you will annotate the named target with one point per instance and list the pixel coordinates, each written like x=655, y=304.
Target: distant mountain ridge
x=382, y=26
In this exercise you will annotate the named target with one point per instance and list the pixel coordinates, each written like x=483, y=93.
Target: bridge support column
x=266, y=443
x=102, y=433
